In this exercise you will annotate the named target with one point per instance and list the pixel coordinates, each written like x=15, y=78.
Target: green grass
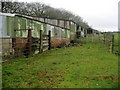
x=87, y=66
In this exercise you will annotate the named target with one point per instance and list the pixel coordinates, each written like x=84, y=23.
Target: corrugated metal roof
x=28, y=17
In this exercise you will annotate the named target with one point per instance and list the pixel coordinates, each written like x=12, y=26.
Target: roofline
x=51, y=18
x=31, y=18
x=58, y=19
x=7, y=14
x=55, y=19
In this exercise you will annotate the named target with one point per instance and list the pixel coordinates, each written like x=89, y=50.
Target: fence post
x=49, y=48
x=40, y=43
x=112, y=43
x=104, y=38
x=30, y=42
x=14, y=44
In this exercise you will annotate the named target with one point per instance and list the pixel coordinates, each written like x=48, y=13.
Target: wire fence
x=111, y=42
x=91, y=38
x=109, y=39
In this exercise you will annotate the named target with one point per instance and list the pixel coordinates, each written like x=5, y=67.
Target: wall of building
x=18, y=27
x=3, y=32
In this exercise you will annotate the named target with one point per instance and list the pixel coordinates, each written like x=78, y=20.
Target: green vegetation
x=116, y=44
x=86, y=66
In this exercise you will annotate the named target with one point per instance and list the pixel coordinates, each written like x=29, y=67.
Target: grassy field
x=86, y=66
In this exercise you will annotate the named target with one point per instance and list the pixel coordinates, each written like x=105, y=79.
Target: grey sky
x=100, y=14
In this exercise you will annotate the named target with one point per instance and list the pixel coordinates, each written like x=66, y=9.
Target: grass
x=86, y=66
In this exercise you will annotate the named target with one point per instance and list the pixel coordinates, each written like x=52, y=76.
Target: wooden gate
x=46, y=42
x=25, y=47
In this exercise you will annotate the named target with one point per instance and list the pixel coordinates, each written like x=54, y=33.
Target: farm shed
x=61, y=30
x=21, y=34
x=96, y=31
x=15, y=31
x=5, y=44
x=79, y=32
x=73, y=30
x=56, y=22
x=69, y=25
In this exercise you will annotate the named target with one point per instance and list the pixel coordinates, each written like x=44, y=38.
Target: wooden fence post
x=40, y=43
x=104, y=38
x=112, y=43
x=29, y=42
x=49, y=48
x=15, y=44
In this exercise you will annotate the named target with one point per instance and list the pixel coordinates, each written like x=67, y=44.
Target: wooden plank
x=45, y=44
x=45, y=41
x=22, y=29
x=44, y=49
x=45, y=35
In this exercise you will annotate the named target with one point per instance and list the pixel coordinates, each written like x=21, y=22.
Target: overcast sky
x=100, y=14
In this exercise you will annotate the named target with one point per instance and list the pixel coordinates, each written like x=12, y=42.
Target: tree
x=41, y=10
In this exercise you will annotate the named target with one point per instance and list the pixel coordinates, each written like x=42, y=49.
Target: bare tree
x=41, y=10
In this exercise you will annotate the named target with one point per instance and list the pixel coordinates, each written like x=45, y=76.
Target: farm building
x=64, y=24
x=92, y=31
x=27, y=35
x=80, y=33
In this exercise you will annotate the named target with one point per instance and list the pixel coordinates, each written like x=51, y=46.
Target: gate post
x=40, y=43
x=104, y=38
x=29, y=42
x=112, y=43
x=49, y=48
x=14, y=41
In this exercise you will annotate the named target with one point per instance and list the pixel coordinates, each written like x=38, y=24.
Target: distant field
x=86, y=66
